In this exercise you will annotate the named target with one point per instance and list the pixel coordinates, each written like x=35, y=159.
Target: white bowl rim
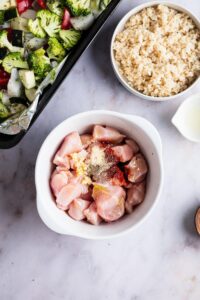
x=131, y=12
x=160, y=159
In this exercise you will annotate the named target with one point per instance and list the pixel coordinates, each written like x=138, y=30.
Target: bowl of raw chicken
x=98, y=174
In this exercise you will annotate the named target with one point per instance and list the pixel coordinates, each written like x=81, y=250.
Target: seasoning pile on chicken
x=99, y=176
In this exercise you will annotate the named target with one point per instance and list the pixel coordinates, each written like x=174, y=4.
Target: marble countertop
x=160, y=260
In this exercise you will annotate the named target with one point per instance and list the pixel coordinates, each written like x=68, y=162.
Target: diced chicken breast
x=92, y=215
x=133, y=145
x=77, y=208
x=110, y=201
x=86, y=140
x=107, y=134
x=67, y=194
x=135, y=195
x=87, y=196
x=72, y=143
x=124, y=152
x=63, y=162
x=58, y=181
x=137, y=168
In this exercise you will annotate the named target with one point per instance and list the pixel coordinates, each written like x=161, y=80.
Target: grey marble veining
x=161, y=260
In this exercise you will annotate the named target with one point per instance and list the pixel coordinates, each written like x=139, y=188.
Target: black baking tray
x=9, y=141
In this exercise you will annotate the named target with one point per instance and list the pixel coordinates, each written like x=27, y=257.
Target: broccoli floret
x=56, y=7
x=39, y=63
x=79, y=7
x=49, y=21
x=36, y=29
x=4, y=113
x=56, y=50
x=14, y=60
x=69, y=38
x=4, y=43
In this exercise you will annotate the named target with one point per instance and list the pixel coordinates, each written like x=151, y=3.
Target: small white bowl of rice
x=155, y=50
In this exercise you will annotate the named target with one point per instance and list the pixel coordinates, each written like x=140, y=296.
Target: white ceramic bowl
x=120, y=27
x=134, y=127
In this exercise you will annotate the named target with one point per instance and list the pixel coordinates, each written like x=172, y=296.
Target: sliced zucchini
x=6, y=4
x=27, y=78
x=17, y=38
x=10, y=14
x=19, y=24
x=30, y=94
x=2, y=12
x=3, y=52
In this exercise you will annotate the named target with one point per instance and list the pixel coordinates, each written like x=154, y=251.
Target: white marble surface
x=161, y=260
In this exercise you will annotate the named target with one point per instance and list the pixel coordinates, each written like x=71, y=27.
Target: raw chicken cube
x=137, y=168
x=110, y=201
x=86, y=140
x=58, y=181
x=135, y=195
x=72, y=143
x=107, y=134
x=124, y=152
x=67, y=194
x=77, y=208
x=133, y=145
x=92, y=215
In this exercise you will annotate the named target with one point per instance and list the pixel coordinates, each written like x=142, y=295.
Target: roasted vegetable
x=36, y=29
x=39, y=63
x=3, y=52
x=69, y=38
x=35, y=43
x=17, y=38
x=4, y=112
x=27, y=78
x=49, y=21
x=10, y=14
x=19, y=24
x=79, y=7
x=14, y=60
x=14, y=88
x=56, y=50
x=103, y=4
x=4, y=43
x=82, y=22
x=2, y=17
x=6, y=4
x=30, y=94
x=56, y=7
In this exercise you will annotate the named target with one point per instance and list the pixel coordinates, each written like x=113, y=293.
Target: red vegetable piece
x=42, y=4
x=4, y=78
x=23, y=5
x=66, y=20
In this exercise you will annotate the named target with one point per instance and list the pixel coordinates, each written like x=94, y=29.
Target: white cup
x=137, y=128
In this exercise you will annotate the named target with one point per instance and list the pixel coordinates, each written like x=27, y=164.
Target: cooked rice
x=158, y=51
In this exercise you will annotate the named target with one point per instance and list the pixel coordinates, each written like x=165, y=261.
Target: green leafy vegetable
x=36, y=29
x=39, y=63
x=79, y=7
x=56, y=50
x=49, y=21
x=14, y=60
x=69, y=38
